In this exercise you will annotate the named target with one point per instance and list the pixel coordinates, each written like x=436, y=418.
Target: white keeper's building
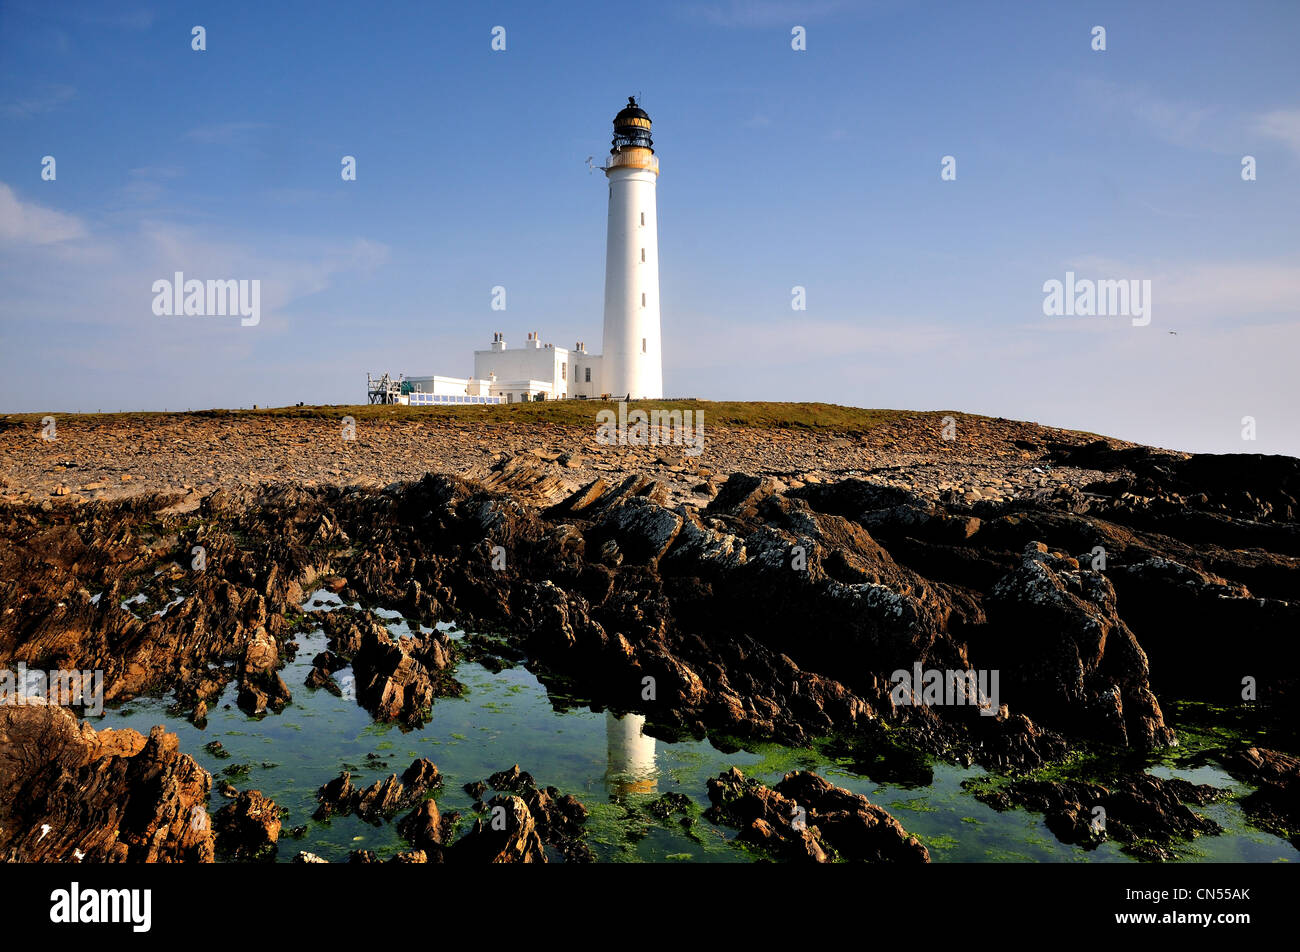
x=631, y=364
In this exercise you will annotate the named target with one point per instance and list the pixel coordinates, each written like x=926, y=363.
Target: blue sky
x=818, y=168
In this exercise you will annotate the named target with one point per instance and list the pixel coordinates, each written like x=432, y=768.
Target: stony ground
x=115, y=456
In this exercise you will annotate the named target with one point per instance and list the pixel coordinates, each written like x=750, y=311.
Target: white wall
x=582, y=361
x=440, y=384
x=550, y=364
x=521, y=391
x=631, y=346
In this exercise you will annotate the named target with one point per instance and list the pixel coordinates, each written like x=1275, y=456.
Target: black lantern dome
x=632, y=128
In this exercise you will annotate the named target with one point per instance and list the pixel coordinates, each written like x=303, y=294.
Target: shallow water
x=603, y=760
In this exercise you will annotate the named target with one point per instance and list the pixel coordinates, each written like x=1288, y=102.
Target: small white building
x=536, y=371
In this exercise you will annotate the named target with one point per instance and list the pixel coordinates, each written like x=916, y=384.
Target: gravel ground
x=113, y=457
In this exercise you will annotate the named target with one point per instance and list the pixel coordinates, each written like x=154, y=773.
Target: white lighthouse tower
x=631, y=363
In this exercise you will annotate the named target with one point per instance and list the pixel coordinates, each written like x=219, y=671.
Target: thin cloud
x=43, y=100
x=27, y=223
x=765, y=14
x=877, y=338
x=1174, y=121
x=1226, y=292
x=1281, y=124
x=147, y=185
x=133, y=19
x=224, y=133
x=284, y=280
x=157, y=172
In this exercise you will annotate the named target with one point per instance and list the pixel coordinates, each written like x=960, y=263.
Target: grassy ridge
x=767, y=415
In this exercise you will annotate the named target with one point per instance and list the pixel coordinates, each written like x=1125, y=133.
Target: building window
x=510, y=398
x=588, y=378
x=643, y=299
x=643, y=256
x=564, y=370
x=643, y=345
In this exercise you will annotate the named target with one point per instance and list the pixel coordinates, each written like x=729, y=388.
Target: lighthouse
x=631, y=364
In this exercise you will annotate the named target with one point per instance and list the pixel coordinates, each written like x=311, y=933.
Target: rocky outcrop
x=806, y=818
x=507, y=834
x=71, y=794
x=772, y=612
x=381, y=799
x=261, y=689
x=98, y=589
x=1275, y=803
x=248, y=829
x=426, y=829
x=1068, y=656
x=397, y=679
x=781, y=609
x=1144, y=813
x=557, y=818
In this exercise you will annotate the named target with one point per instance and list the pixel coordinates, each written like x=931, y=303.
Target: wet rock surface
x=1144, y=813
x=523, y=823
x=69, y=793
x=396, y=679
x=508, y=834
x=1275, y=803
x=428, y=830
x=556, y=818
x=805, y=818
x=381, y=799
x=249, y=828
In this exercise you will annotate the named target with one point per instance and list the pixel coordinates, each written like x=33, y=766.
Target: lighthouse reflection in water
x=631, y=755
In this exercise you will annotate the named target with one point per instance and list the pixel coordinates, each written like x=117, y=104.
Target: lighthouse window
x=643, y=254
x=643, y=218
x=643, y=299
x=643, y=345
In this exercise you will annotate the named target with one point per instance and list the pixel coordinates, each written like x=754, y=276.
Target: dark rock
x=261, y=689
x=557, y=818
x=381, y=799
x=249, y=828
x=1275, y=804
x=507, y=834
x=1138, y=812
x=105, y=796
x=320, y=678
x=427, y=830
x=805, y=818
